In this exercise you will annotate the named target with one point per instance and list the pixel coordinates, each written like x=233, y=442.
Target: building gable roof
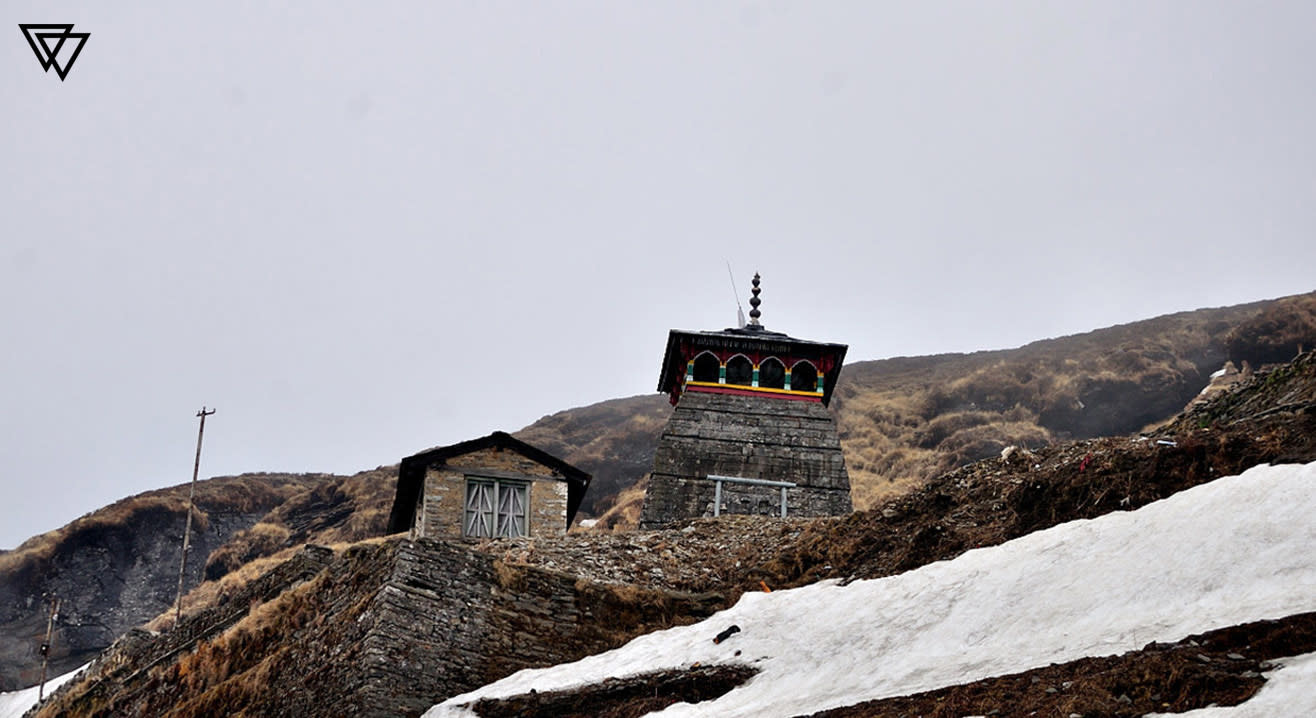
x=411, y=474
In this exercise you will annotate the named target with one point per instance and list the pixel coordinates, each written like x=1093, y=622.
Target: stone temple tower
x=751, y=433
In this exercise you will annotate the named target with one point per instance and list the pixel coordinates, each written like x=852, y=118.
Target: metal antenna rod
x=740, y=310
x=47, y=645
x=187, y=532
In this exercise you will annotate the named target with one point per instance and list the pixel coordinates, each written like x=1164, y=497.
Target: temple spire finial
x=754, y=303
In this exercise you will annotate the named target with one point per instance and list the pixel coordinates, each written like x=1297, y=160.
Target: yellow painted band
x=747, y=387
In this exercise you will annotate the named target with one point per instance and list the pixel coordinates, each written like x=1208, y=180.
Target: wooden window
x=740, y=371
x=512, y=509
x=772, y=373
x=804, y=377
x=479, y=508
x=706, y=368
x=496, y=507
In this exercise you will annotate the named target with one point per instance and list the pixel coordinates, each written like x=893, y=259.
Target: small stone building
x=751, y=433
x=494, y=486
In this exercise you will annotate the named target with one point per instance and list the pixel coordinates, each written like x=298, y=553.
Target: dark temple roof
x=748, y=338
x=411, y=474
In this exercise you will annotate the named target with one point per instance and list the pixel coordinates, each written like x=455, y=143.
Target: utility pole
x=47, y=645
x=187, y=532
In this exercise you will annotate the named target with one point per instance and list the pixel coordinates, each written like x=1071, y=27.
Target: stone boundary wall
x=451, y=619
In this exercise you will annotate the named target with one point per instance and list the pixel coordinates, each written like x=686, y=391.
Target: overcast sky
x=364, y=229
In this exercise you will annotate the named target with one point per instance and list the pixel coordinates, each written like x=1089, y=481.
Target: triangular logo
x=48, y=41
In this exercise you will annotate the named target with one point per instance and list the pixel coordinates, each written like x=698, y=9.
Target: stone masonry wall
x=445, y=492
x=746, y=437
x=548, y=508
x=694, y=498
x=451, y=619
x=441, y=509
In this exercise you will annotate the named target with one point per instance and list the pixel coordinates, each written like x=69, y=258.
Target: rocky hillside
x=903, y=421
x=118, y=566
x=340, y=509
x=390, y=627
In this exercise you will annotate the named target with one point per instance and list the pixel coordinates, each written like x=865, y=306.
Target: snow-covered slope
x=15, y=703
x=1235, y=550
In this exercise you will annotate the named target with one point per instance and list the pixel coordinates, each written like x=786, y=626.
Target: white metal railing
x=719, y=480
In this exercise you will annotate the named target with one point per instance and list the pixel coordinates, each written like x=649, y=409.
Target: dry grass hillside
x=243, y=494
x=612, y=440
x=905, y=420
x=341, y=509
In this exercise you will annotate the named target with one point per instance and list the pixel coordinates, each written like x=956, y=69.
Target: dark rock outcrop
x=109, y=579
x=115, y=569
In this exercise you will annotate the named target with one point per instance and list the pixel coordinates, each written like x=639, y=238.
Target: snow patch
x=14, y=704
